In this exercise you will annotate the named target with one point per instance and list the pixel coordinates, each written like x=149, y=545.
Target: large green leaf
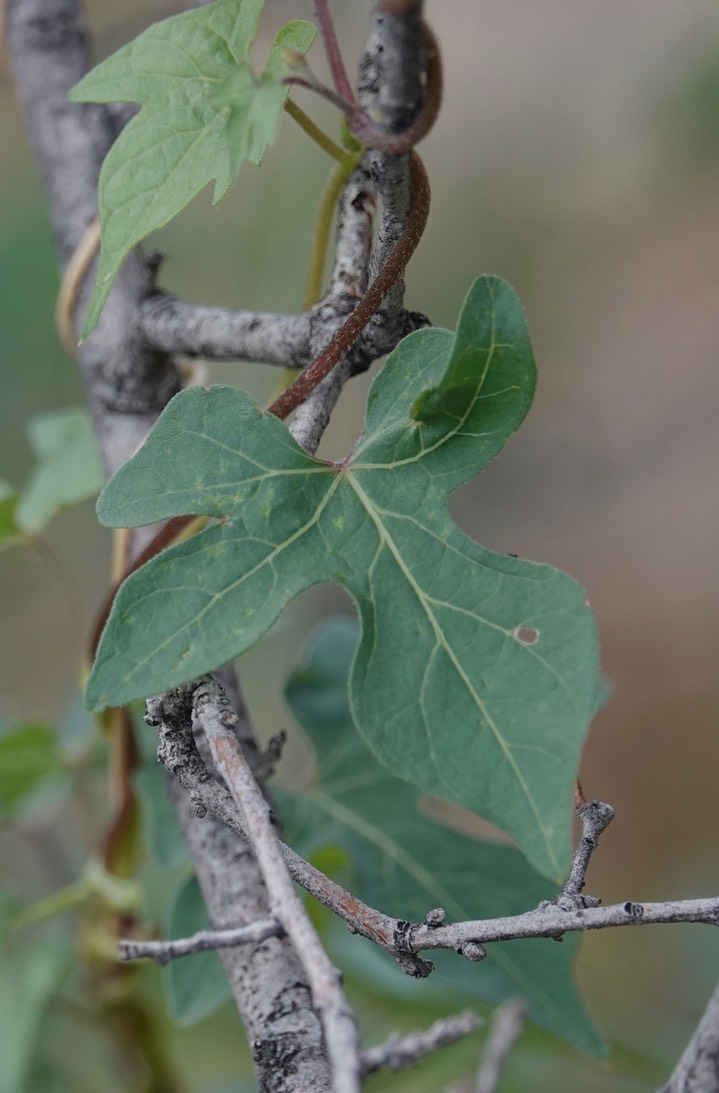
x=203, y=113
x=476, y=673
x=68, y=468
x=405, y=863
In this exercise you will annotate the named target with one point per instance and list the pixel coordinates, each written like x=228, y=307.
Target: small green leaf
x=476, y=674
x=68, y=466
x=203, y=113
x=196, y=985
x=405, y=863
x=29, y=757
x=10, y=532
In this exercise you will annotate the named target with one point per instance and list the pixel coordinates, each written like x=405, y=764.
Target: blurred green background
x=577, y=155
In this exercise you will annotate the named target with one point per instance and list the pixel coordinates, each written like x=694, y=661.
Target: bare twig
x=218, y=720
x=217, y=333
x=399, y=1052
x=165, y=951
x=698, y=1069
x=596, y=817
x=507, y=1024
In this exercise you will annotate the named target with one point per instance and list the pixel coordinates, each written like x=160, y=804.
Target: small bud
x=472, y=951
x=292, y=59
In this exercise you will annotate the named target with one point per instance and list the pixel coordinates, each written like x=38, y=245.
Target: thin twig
x=596, y=816
x=399, y=1052
x=165, y=951
x=507, y=1024
x=218, y=719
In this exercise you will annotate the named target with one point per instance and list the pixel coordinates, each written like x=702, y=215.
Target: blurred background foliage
x=577, y=155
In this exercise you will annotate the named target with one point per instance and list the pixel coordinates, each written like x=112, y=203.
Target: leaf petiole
x=315, y=133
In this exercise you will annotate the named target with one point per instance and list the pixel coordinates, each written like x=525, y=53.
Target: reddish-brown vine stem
x=165, y=536
x=393, y=268
x=399, y=256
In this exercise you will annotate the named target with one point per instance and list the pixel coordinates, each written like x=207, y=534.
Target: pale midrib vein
x=200, y=492
x=439, y=635
x=520, y=645
x=315, y=466
x=447, y=545
x=196, y=620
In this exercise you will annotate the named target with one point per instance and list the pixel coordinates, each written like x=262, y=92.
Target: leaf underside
x=405, y=863
x=203, y=114
x=476, y=672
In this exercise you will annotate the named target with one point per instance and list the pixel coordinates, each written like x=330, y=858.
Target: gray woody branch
x=218, y=721
x=129, y=376
x=404, y=940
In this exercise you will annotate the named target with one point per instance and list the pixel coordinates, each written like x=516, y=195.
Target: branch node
x=471, y=950
x=415, y=966
x=436, y=917
x=403, y=945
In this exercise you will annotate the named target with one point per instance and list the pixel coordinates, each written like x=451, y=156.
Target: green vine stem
x=323, y=229
x=314, y=132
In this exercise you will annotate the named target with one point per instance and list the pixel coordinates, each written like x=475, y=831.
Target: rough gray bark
x=698, y=1069
x=127, y=383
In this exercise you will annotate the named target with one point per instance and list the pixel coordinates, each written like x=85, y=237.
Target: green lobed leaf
x=196, y=985
x=476, y=674
x=29, y=757
x=405, y=863
x=68, y=466
x=203, y=113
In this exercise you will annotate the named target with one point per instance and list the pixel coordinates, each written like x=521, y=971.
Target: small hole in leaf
x=527, y=635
